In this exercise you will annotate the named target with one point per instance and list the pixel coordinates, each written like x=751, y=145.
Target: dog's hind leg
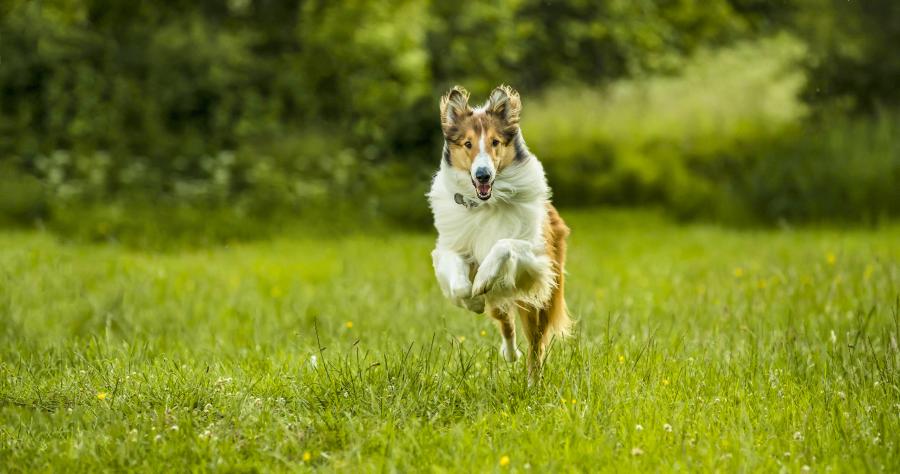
x=535, y=325
x=507, y=325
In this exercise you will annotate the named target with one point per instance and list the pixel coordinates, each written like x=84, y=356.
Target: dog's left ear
x=505, y=104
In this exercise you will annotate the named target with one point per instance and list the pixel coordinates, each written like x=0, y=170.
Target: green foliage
x=839, y=169
x=315, y=107
x=851, y=67
x=662, y=139
x=733, y=351
x=22, y=197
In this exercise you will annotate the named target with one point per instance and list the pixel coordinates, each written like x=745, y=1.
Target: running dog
x=501, y=245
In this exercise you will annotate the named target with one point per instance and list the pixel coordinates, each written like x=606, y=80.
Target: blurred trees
x=262, y=103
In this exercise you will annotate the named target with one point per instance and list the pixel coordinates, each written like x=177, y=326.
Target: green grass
x=697, y=348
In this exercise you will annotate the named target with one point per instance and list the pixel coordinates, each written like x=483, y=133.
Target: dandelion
x=483, y=333
x=306, y=456
x=621, y=359
x=636, y=451
x=830, y=258
x=573, y=401
x=348, y=325
x=665, y=381
x=738, y=272
x=667, y=428
x=101, y=395
x=504, y=461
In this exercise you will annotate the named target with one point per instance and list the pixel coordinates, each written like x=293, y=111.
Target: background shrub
x=315, y=108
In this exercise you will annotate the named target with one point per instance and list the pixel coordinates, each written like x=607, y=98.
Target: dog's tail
x=558, y=321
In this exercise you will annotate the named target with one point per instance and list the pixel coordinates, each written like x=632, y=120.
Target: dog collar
x=467, y=203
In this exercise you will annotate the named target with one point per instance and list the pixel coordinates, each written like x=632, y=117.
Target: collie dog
x=501, y=245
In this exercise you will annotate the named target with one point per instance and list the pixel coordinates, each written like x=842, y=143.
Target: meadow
x=697, y=348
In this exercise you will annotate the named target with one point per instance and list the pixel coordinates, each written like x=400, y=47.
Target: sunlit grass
x=697, y=348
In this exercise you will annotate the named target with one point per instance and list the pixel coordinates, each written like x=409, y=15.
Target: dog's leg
x=507, y=326
x=513, y=266
x=452, y=273
x=535, y=324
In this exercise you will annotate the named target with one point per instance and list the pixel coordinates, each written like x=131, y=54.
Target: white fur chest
x=516, y=211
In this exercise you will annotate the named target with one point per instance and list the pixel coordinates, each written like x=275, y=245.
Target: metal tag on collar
x=467, y=203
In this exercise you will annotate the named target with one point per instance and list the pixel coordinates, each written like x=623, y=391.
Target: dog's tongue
x=483, y=189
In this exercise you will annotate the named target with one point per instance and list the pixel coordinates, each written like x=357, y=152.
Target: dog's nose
x=483, y=175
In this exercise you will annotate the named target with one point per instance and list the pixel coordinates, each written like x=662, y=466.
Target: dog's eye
x=496, y=142
x=468, y=144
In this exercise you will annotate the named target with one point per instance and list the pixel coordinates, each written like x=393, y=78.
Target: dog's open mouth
x=483, y=190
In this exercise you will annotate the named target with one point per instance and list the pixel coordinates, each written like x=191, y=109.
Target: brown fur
x=541, y=324
x=462, y=125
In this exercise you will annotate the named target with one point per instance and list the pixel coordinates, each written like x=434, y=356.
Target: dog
x=501, y=245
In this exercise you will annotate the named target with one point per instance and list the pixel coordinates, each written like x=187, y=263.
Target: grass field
x=697, y=348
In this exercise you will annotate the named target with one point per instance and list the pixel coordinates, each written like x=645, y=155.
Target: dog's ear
x=505, y=104
x=454, y=108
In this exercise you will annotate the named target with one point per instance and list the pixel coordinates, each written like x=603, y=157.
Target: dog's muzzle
x=483, y=183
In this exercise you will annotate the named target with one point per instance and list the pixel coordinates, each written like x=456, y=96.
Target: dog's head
x=481, y=141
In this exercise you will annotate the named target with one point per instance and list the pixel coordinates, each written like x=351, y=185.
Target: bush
x=839, y=169
x=668, y=139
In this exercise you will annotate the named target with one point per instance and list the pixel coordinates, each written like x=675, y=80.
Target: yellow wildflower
x=504, y=461
x=621, y=359
x=665, y=381
x=738, y=272
x=483, y=333
x=830, y=258
x=101, y=395
x=348, y=325
x=306, y=456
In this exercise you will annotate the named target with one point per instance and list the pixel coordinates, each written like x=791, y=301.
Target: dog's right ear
x=454, y=108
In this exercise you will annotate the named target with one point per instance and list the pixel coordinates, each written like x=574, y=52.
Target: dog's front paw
x=459, y=288
x=492, y=273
